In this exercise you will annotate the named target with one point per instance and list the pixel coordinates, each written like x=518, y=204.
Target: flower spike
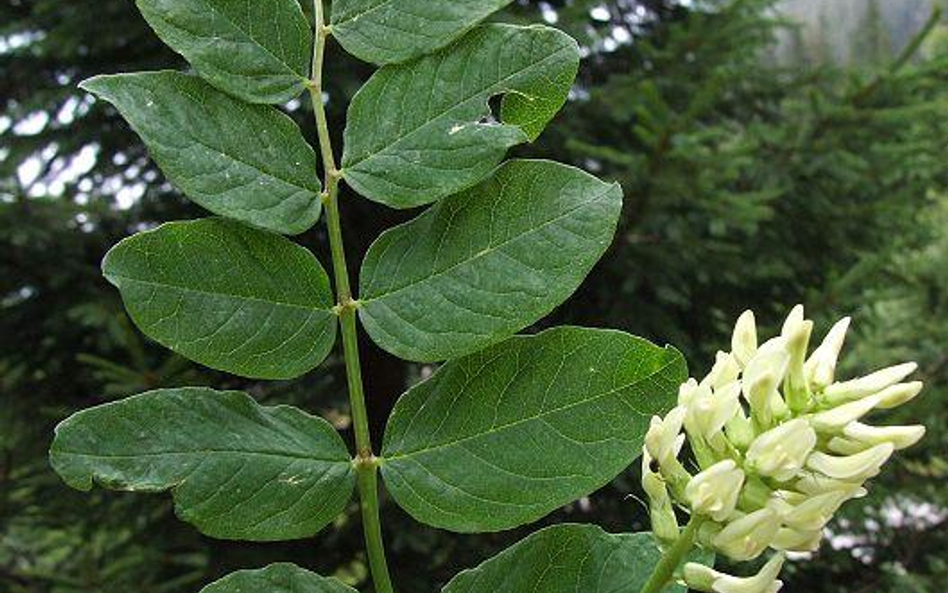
x=776, y=464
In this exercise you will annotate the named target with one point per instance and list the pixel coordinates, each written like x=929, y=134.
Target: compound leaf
x=228, y=296
x=481, y=265
x=390, y=31
x=237, y=470
x=504, y=436
x=419, y=131
x=568, y=558
x=247, y=162
x=256, y=51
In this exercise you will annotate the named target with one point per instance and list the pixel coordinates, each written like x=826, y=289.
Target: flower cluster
x=779, y=445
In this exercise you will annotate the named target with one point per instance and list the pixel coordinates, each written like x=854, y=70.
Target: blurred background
x=771, y=153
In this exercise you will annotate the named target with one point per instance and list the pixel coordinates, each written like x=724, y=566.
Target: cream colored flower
x=715, y=491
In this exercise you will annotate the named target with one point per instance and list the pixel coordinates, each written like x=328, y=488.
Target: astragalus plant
x=510, y=427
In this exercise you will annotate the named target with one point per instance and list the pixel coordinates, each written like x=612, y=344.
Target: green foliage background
x=750, y=181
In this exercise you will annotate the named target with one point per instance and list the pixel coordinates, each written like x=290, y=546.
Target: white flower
x=762, y=375
x=796, y=334
x=725, y=370
x=704, y=578
x=896, y=395
x=855, y=468
x=812, y=484
x=835, y=419
x=901, y=437
x=747, y=537
x=662, y=438
x=715, y=491
x=794, y=540
x=781, y=452
x=661, y=511
x=708, y=411
x=764, y=581
x=744, y=339
x=869, y=384
x=820, y=368
x=858, y=437
x=815, y=512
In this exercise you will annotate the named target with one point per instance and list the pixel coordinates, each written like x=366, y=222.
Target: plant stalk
x=366, y=464
x=664, y=572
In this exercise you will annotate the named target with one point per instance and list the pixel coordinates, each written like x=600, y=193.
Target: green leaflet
x=481, y=265
x=417, y=132
x=277, y=578
x=256, y=51
x=504, y=436
x=237, y=470
x=228, y=296
x=247, y=162
x=390, y=31
x=568, y=558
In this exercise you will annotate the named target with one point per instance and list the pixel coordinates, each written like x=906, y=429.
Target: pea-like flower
x=780, y=445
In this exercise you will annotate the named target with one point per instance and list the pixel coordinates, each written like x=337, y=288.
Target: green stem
x=366, y=463
x=664, y=572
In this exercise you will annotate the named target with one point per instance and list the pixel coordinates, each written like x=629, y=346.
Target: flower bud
x=725, y=370
x=812, y=484
x=744, y=339
x=715, y=491
x=794, y=540
x=815, y=512
x=661, y=512
x=699, y=577
x=704, y=578
x=896, y=395
x=763, y=373
x=686, y=392
x=709, y=411
x=662, y=440
x=796, y=333
x=869, y=384
x=781, y=452
x=835, y=419
x=746, y=538
x=855, y=468
x=820, y=368
x=740, y=430
x=764, y=581
x=901, y=437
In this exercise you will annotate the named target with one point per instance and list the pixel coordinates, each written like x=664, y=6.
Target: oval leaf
x=503, y=437
x=486, y=263
x=248, y=162
x=569, y=558
x=277, y=578
x=228, y=296
x=390, y=31
x=257, y=51
x=237, y=470
x=417, y=132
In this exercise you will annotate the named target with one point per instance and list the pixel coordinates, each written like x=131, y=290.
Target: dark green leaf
x=228, y=296
x=481, y=265
x=390, y=31
x=277, y=578
x=417, y=132
x=237, y=470
x=257, y=51
x=568, y=559
x=247, y=162
x=509, y=434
